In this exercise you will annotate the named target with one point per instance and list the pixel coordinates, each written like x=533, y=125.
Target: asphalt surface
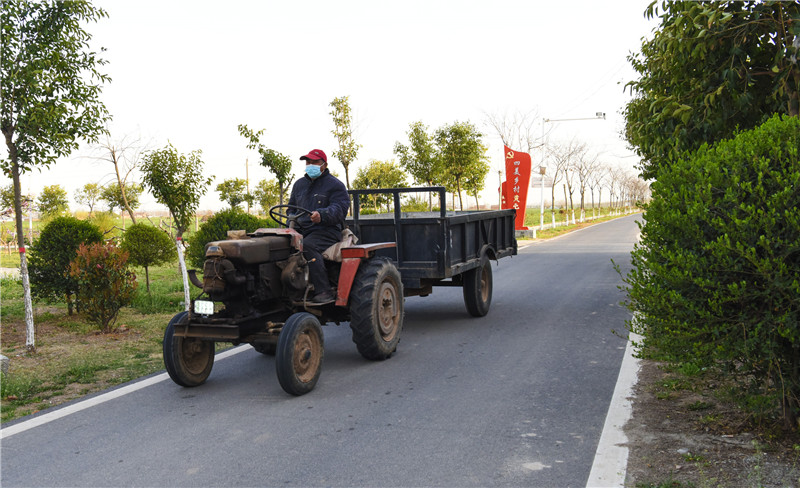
x=517, y=398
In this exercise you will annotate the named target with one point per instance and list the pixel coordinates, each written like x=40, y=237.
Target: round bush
x=216, y=229
x=49, y=258
x=148, y=246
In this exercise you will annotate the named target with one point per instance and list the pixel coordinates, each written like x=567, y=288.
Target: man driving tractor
x=326, y=198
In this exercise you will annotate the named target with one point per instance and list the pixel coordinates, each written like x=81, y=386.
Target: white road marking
x=611, y=458
x=91, y=402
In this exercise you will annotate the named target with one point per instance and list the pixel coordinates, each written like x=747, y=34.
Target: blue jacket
x=325, y=194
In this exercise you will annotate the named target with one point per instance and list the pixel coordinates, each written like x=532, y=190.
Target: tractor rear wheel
x=298, y=358
x=188, y=360
x=376, y=308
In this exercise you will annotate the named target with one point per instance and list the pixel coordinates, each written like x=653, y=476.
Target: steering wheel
x=284, y=219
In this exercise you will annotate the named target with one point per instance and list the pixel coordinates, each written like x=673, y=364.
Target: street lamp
x=597, y=116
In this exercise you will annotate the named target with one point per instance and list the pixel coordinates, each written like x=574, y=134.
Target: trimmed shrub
x=49, y=258
x=105, y=284
x=148, y=246
x=216, y=229
x=716, y=276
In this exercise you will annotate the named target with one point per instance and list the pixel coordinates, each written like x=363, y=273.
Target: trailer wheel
x=376, y=309
x=298, y=359
x=188, y=360
x=478, y=288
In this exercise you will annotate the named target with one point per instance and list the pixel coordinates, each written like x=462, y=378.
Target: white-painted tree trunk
x=184, y=274
x=30, y=337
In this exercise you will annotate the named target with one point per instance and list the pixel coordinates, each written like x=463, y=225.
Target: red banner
x=515, y=188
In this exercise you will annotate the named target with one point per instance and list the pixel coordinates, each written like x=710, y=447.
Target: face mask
x=313, y=171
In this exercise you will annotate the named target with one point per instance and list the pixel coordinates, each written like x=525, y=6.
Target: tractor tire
x=376, y=309
x=477, y=288
x=298, y=358
x=188, y=361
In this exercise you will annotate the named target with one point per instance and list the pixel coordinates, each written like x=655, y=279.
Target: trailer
x=255, y=286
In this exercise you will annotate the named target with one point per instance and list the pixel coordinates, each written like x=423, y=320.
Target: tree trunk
x=583, y=204
x=30, y=342
x=122, y=191
x=184, y=273
x=147, y=279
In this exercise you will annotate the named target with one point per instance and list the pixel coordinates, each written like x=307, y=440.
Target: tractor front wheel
x=298, y=358
x=188, y=360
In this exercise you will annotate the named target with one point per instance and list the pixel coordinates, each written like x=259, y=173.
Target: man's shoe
x=323, y=298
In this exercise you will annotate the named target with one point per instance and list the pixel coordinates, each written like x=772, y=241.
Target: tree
x=125, y=156
x=585, y=165
x=461, y=151
x=380, y=174
x=710, y=68
x=88, y=195
x=51, y=86
x=50, y=258
x=279, y=164
x=562, y=158
x=234, y=191
x=343, y=131
x=267, y=193
x=177, y=181
x=419, y=158
x=475, y=179
x=147, y=246
x=516, y=130
x=53, y=202
x=7, y=202
x=7, y=198
x=122, y=197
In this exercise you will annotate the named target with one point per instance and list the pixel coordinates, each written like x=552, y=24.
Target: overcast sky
x=189, y=72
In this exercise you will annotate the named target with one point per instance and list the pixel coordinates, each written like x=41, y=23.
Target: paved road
x=517, y=398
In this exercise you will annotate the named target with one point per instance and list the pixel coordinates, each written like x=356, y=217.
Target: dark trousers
x=313, y=245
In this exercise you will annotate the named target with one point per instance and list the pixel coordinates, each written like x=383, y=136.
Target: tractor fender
x=351, y=259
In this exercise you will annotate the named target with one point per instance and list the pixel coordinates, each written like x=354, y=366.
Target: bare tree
x=596, y=180
x=126, y=155
x=615, y=178
x=561, y=160
x=584, y=165
x=516, y=130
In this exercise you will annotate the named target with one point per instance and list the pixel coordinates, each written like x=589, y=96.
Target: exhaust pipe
x=194, y=279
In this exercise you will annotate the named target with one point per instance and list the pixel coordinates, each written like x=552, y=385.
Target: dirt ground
x=683, y=438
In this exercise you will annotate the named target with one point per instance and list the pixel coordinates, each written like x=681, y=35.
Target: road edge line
x=6, y=432
x=611, y=457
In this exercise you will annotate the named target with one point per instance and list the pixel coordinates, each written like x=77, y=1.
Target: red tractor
x=255, y=287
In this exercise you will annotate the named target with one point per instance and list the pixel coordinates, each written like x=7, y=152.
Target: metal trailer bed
x=434, y=248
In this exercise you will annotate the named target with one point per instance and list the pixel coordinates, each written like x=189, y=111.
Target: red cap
x=316, y=154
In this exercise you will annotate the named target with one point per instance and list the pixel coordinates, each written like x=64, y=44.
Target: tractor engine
x=251, y=273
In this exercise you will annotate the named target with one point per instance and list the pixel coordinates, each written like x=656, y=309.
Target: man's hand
x=315, y=217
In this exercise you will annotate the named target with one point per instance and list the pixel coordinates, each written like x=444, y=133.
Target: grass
x=72, y=358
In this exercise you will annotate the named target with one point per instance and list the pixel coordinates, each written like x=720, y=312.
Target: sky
x=189, y=72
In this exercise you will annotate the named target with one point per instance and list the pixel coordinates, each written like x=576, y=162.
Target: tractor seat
x=334, y=253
